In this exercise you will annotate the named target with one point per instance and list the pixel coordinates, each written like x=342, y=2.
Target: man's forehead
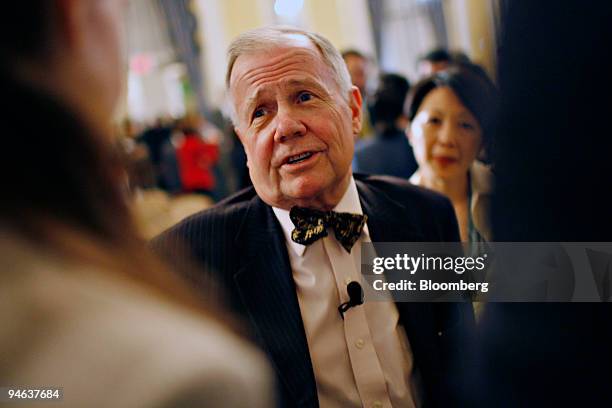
x=297, y=45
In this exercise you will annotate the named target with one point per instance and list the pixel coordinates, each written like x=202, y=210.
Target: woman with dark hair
x=83, y=304
x=451, y=115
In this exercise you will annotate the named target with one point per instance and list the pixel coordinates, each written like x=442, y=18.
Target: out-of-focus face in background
x=358, y=70
x=296, y=126
x=445, y=135
x=427, y=68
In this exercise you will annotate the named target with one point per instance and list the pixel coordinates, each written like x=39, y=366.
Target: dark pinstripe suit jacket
x=241, y=243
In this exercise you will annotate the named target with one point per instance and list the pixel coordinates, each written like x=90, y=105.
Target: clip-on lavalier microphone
x=355, y=293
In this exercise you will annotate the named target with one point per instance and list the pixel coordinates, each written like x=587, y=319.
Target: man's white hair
x=266, y=38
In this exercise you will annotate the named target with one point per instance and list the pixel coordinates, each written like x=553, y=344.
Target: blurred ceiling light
x=288, y=8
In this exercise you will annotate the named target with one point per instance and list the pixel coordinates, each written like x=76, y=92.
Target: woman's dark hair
x=25, y=27
x=388, y=101
x=66, y=170
x=473, y=87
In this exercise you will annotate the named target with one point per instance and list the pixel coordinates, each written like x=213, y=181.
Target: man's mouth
x=299, y=157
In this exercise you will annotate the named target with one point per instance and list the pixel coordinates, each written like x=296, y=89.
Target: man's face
x=296, y=127
x=357, y=68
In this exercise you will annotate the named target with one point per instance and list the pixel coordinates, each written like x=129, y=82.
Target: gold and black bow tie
x=310, y=225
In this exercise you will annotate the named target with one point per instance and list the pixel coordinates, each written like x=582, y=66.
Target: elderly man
x=296, y=113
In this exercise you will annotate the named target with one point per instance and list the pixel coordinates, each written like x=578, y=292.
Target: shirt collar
x=348, y=203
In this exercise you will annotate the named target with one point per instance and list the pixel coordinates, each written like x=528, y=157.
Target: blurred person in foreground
x=83, y=305
x=287, y=248
x=552, y=171
x=451, y=118
x=389, y=152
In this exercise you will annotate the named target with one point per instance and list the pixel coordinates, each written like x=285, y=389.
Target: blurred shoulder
x=149, y=351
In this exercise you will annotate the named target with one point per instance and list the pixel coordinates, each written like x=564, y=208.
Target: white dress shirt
x=365, y=359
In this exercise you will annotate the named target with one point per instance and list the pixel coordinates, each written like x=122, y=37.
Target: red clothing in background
x=196, y=159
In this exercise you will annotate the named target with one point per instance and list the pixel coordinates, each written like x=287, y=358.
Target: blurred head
x=357, y=65
x=388, y=101
x=191, y=124
x=70, y=48
x=434, y=61
x=296, y=113
x=440, y=59
x=60, y=69
x=451, y=115
x=61, y=64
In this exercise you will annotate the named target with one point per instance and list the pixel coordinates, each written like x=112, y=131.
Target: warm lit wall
x=219, y=22
x=470, y=28
x=344, y=22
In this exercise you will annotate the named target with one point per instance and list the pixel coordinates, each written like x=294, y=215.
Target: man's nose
x=288, y=126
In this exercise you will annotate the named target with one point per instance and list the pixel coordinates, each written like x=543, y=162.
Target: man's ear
x=355, y=104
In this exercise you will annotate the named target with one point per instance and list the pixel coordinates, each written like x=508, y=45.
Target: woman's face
x=444, y=135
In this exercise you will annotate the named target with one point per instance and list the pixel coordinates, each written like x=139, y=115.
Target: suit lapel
x=266, y=286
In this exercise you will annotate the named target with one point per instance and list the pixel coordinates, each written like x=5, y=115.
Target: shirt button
x=377, y=404
x=348, y=280
x=359, y=343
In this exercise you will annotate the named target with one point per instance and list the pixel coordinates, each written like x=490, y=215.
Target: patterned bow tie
x=310, y=225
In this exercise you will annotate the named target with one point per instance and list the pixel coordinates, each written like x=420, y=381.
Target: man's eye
x=466, y=125
x=434, y=120
x=259, y=112
x=304, y=96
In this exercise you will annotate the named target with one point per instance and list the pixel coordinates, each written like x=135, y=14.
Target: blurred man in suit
x=296, y=112
x=389, y=152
